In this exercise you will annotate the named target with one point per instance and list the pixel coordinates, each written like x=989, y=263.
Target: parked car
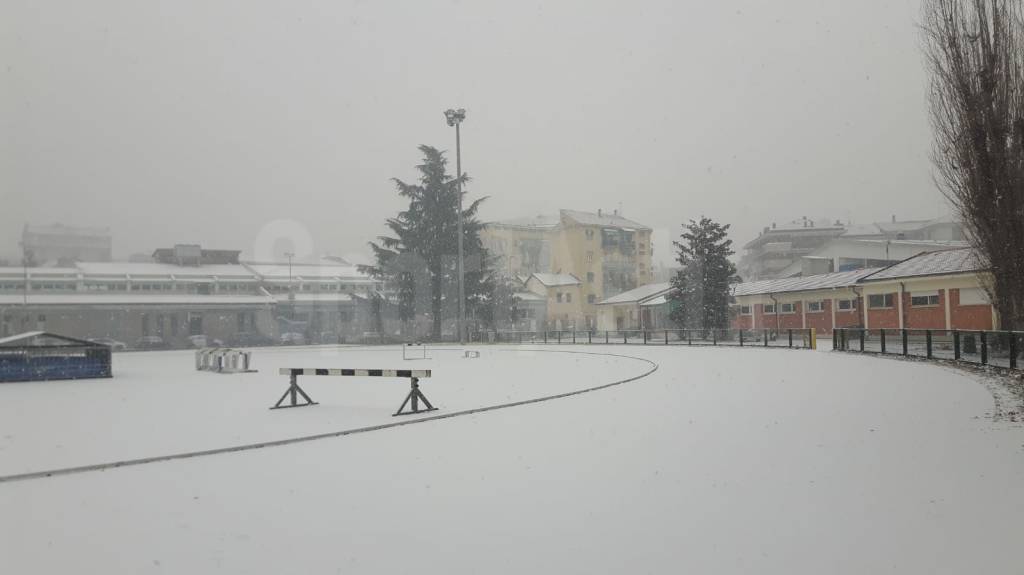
x=292, y=338
x=200, y=341
x=249, y=339
x=150, y=342
x=113, y=344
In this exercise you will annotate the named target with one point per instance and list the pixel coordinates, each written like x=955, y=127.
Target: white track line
x=304, y=438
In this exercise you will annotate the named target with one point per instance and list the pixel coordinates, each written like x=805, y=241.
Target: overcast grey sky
x=214, y=121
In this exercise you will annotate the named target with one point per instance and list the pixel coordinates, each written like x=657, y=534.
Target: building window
x=591, y=298
x=973, y=296
x=744, y=310
x=590, y=257
x=925, y=299
x=769, y=308
x=880, y=300
x=568, y=298
x=558, y=297
x=787, y=308
x=590, y=234
x=813, y=306
x=847, y=304
x=590, y=277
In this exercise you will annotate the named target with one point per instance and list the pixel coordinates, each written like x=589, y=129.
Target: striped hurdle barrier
x=412, y=399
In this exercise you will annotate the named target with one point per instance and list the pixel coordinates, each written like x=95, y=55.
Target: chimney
x=598, y=212
x=894, y=218
x=773, y=225
x=616, y=212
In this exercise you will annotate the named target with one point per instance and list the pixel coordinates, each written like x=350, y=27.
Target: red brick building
x=936, y=290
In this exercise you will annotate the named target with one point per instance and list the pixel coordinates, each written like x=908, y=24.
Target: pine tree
x=501, y=309
x=419, y=261
x=701, y=294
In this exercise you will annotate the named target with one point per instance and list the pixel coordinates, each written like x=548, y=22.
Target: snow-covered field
x=723, y=460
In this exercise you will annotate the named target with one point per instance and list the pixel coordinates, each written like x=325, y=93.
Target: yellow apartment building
x=607, y=252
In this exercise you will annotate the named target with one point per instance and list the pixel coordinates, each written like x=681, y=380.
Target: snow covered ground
x=157, y=403
x=723, y=460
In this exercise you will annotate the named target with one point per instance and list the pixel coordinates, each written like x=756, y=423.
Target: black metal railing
x=994, y=348
x=787, y=338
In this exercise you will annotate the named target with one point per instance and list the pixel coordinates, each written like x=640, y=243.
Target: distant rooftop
x=640, y=294
x=804, y=283
x=62, y=229
x=945, y=262
x=536, y=222
x=599, y=218
x=602, y=218
x=555, y=280
x=282, y=271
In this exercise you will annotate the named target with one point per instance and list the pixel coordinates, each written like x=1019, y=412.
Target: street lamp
x=455, y=118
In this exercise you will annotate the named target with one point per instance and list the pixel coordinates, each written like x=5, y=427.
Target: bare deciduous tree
x=975, y=52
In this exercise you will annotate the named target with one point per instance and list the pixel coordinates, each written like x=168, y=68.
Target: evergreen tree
x=501, y=309
x=701, y=294
x=419, y=261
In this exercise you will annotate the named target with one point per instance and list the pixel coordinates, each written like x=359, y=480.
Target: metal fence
x=788, y=338
x=995, y=348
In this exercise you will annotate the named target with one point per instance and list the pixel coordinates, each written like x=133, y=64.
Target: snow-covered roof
x=536, y=222
x=657, y=300
x=603, y=219
x=945, y=262
x=43, y=339
x=530, y=296
x=881, y=228
x=64, y=230
x=279, y=271
x=555, y=280
x=803, y=283
x=38, y=272
x=132, y=298
x=141, y=269
x=639, y=294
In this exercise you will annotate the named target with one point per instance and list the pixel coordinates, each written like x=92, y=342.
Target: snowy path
x=722, y=461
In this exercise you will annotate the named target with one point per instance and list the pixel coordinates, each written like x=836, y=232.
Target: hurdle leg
x=415, y=396
x=293, y=392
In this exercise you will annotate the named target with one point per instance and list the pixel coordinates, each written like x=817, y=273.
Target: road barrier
x=991, y=348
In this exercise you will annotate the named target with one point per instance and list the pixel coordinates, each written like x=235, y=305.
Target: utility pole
x=455, y=118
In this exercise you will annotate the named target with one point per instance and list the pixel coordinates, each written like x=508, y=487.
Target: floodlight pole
x=291, y=291
x=455, y=118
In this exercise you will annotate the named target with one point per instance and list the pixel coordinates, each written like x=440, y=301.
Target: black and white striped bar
x=418, y=373
x=413, y=399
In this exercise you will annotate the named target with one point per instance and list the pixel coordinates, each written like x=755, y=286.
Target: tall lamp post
x=455, y=118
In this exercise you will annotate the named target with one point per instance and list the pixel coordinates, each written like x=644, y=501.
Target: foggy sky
x=211, y=121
